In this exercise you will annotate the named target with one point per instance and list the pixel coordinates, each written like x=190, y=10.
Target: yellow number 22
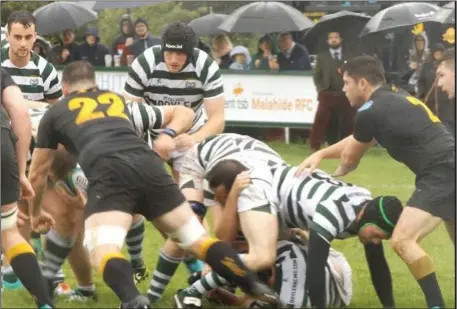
x=88, y=106
x=418, y=102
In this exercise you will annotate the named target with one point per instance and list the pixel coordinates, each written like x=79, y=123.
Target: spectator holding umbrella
x=92, y=50
x=417, y=56
x=426, y=76
x=241, y=60
x=329, y=84
x=293, y=56
x=66, y=51
x=267, y=50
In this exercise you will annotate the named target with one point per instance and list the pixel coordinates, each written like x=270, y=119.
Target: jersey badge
x=365, y=106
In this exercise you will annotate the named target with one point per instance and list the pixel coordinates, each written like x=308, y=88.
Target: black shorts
x=132, y=182
x=10, y=173
x=435, y=191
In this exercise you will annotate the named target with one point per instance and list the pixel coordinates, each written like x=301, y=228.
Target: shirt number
x=418, y=102
x=88, y=106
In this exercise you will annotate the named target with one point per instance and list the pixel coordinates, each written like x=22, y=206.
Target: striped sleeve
x=210, y=76
x=137, y=79
x=51, y=84
x=145, y=117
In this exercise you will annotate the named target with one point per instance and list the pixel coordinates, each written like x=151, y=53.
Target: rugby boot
x=140, y=273
x=139, y=302
x=81, y=295
x=187, y=298
x=262, y=293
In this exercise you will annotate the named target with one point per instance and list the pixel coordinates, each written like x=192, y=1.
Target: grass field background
x=378, y=173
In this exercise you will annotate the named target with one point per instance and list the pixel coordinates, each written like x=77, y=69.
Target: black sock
x=27, y=269
x=432, y=291
x=225, y=261
x=118, y=275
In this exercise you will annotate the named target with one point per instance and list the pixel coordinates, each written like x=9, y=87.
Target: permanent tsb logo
x=238, y=90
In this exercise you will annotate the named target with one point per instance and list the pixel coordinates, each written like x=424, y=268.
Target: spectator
x=293, y=56
x=41, y=47
x=205, y=47
x=221, y=50
x=329, y=85
x=417, y=55
x=426, y=75
x=144, y=38
x=241, y=60
x=67, y=50
x=266, y=51
x=121, y=41
x=91, y=50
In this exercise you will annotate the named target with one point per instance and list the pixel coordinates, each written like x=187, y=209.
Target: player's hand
x=342, y=170
x=42, y=223
x=22, y=219
x=184, y=141
x=26, y=188
x=310, y=164
x=77, y=201
x=163, y=145
x=242, y=180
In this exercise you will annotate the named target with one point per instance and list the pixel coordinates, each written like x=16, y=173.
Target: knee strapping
x=9, y=219
x=189, y=233
x=104, y=235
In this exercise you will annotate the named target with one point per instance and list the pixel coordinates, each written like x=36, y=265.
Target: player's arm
x=380, y=274
x=137, y=79
x=357, y=144
x=42, y=160
x=14, y=104
x=226, y=229
x=214, y=104
x=177, y=118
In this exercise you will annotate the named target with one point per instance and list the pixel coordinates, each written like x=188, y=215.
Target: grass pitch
x=378, y=173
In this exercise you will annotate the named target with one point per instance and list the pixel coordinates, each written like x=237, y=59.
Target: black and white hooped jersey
x=317, y=201
x=150, y=80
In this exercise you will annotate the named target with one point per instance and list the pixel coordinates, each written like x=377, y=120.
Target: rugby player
x=414, y=136
x=177, y=73
x=125, y=177
x=38, y=81
x=288, y=278
x=15, y=141
x=331, y=209
x=143, y=118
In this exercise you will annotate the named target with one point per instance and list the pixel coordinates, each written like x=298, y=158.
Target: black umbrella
x=208, y=24
x=348, y=24
x=58, y=16
x=399, y=16
x=100, y=5
x=266, y=17
x=446, y=15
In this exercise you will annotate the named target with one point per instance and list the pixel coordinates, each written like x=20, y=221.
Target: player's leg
x=413, y=225
x=16, y=249
x=80, y=264
x=134, y=242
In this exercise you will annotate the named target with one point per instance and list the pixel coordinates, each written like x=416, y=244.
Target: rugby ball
x=77, y=179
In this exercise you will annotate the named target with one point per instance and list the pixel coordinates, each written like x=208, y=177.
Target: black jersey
x=406, y=127
x=6, y=81
x=91, y=125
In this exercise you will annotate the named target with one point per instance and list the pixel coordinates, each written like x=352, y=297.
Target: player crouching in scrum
x=329, y=208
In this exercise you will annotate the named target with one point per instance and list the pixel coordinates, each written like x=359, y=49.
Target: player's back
x=299, y=197
x=228, y=145
x=408, y=130
x=94, y=124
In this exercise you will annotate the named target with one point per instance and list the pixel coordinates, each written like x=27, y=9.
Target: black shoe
x=139, y=302
x=140, y=273
x=186, y=299
x=194, y=277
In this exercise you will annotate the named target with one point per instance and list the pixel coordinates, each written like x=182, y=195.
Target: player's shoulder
x=201, y=61
x=41, y=63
